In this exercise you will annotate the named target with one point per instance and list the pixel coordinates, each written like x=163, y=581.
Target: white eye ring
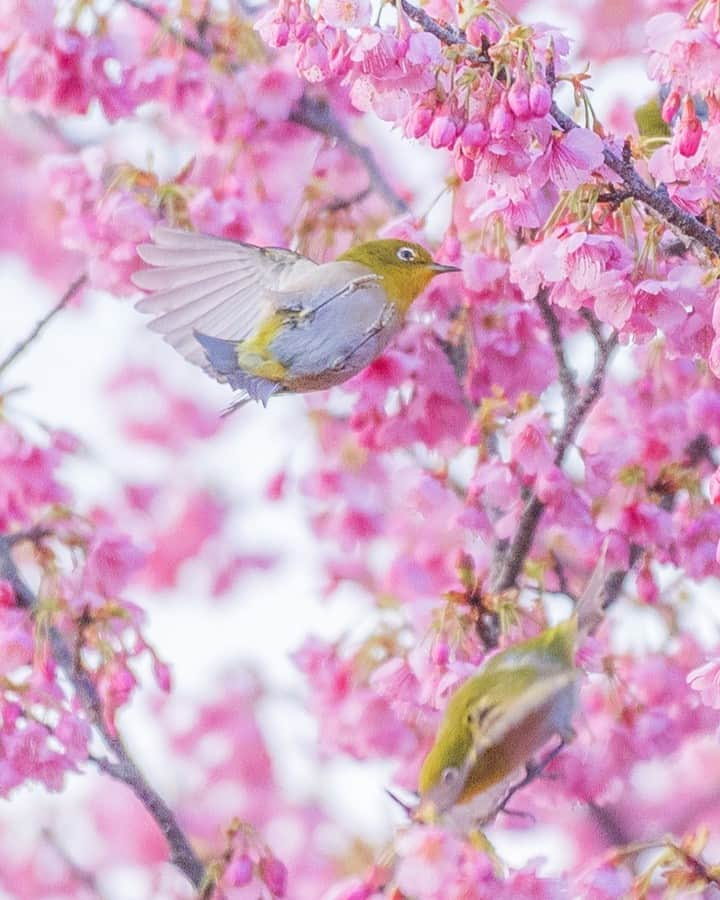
x=449, y=775
x=406, y=254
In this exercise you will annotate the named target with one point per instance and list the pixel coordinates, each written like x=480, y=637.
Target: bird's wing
x=498, y=721
x=217, y=287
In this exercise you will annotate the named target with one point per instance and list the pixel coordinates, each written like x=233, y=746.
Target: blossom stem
x=312, y=113
x=123, y=768
x=41, y=325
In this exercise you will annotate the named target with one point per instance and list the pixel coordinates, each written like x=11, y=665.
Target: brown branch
x=447, y=34
x=197, y=45
x=566, y=375
x=39, y=328
x=608, y=823
x=315, y=114
x=80, y=874
x=312, y=113
x=124, y=768
x=656, y=199
x=532, y=771
x=510, y=558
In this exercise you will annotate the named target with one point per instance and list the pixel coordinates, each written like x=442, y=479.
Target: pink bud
x=239, y=872
x=479, y=28
x=162, y=675
x=440, y=653
x=474, y=137
x=540, y=99
x=7, y=594
x=502, y=121
x=304, y=27
x=464, y=166
x=361, y=892
x=419, y=121
x=65, y=442
x=274, y=874
x=518, y=98
x=690, y=130
x=670, y=106
x=714, y=487
x=646, y=587
x=443, y=132
x=282, y=34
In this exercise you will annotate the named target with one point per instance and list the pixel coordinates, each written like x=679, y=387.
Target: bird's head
x=405, y=267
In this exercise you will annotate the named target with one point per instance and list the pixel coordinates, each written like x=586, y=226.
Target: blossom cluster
x=557, y=396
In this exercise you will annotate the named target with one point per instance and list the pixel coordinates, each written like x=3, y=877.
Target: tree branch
x=511, y=557
x=124, y=768
x=656, y=199
x=312, y=113
x=566, y=375
x=40, y=327
x=315, y=114
x=532, y=771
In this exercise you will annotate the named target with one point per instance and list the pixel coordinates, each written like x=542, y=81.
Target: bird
x=267, y=320
x=496, y=721
x=501, y=716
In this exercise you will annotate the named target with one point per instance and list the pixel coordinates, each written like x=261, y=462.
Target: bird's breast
x=333, y=335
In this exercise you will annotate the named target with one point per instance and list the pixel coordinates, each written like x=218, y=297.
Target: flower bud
x=690, y=131
x=274, y=874
x=646, y=587
x=440, y=653
x=464, y=166
x=474, y=138
x=443, y=132
x=714, y=487
x=670, y=106
x=419, y=121
x=540, y=98
x=7, y=593
x=518, y=98
x=239, y=872
x=502, y=121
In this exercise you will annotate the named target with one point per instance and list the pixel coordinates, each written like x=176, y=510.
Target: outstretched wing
x=210, y=285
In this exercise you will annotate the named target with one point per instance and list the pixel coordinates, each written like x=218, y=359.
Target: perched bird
x=268, y=321
x=499, y=718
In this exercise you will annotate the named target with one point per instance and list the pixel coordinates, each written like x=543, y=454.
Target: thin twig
x=197, y=45
x=312, y=113
x=513, y=555
x=31, y=536
x=80, y=874
x=532, y=770
x=60, y=305
x=124, y=768
x=447, y=34
x=566, y=375
x=608, y=824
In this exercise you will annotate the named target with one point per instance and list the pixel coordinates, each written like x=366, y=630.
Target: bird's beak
x=439, y=267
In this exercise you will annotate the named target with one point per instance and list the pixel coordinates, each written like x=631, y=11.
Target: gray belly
x=335, y=342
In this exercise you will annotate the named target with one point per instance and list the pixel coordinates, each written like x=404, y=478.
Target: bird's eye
x=406, y=254
x=450, y=775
